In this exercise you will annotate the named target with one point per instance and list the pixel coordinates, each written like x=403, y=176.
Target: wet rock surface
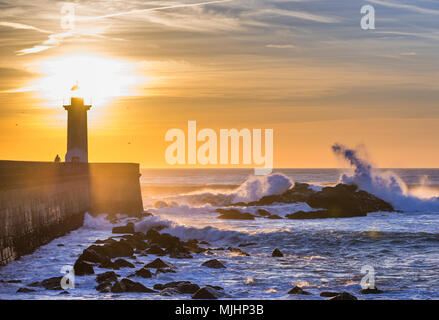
x=214, y=264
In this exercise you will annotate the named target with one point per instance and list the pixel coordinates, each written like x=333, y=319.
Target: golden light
x=99, y=78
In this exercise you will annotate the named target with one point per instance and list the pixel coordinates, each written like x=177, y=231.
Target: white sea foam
x=385, y=185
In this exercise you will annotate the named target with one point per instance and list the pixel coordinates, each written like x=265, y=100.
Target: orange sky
x=309, y=72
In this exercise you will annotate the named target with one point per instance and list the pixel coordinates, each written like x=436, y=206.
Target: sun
x=99, y=78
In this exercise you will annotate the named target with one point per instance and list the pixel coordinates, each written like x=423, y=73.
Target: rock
x=52, y=283
x=175, y=254
x=340, y=201
x=238, y=251
x=187, y=287
x=298, y=290
x=169, y=292
x=60, y=245
x=122, y=263
x=118, y=249
x=207, y=292
x=13, y=281
x=94, y=254
x=64, y=293
x=158, y=264
x=319, y=214
x=82, y=268
x=328, y=294
x=155, y=249
x=128, y=228
x=277, y=253
x=214, y=263
x=161, y=204
x=344, y=296
x=25, y=290
x=247, y=244
x=127, y=285
x=371, y=291
x=104, y=287
x=234, y=214
x=263, y=213
x=144, y=273
x=109, y=276
x=165, y=270
x=274, y=217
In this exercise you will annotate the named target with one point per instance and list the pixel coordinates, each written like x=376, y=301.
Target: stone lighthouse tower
x=77, y=145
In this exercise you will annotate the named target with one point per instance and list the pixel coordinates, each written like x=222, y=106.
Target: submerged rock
x=82, y=268
x=25, y=290
x=328, y=294
x=234, y=214
x=127, y=285
x=207, y=292
x=107, y=276
x=159, y=264
x=51, y=283
x=277, y=253
x=180, y=287
x=298, y=290
x=371, y=291
x=344, y=296
x=128, y=228
x=122, y=263
x=214, y=263
x=144, y=273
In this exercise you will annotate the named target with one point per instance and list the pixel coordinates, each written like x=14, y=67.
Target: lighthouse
x=77, y=144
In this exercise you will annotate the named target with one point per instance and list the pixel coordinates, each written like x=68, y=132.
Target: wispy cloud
x=21, y=26
x=400, y=5
x=136, y=11
x=280, y=46
x=301, y=15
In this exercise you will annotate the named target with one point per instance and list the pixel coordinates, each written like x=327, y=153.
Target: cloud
x=21, y=26
x=410, y=7
x=280, y=46
x=301, y=15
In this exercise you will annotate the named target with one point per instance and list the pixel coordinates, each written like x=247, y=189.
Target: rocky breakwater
x=340, y=201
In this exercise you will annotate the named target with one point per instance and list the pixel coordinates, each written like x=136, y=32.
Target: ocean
x=402, y=247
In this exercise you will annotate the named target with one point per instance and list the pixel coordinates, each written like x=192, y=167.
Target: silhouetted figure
x=57, y=158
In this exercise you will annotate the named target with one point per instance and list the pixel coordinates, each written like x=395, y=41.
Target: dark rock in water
x=344, y=296
x=104, y=287
x=82, y=268
x=107, y=276
x=155, y=249
x=346, y=201
x=165, y=270
x=274, y=217
x=234, y=214
x=128, y=228
x=144, y=273
x=175, y=254
x=118, y=249
x=64, y=293
x=52, y=283
x=298, y=290
x=122, y=263
x=13, y=281
x=247, y=244
x=319, y=214
x=214, y=263
x=371, y=291
x=277, y=253
x=158, y=264
x=60, y=245
x=341, y=201
x=328, y=294
x=207, y=292
x=127, y=285
x=179, y=286
x=94, y=254
x=238, y=251
x=25, y=290
x=188, y=287
x=136, y=242
x=167, y=292
x=263, y=213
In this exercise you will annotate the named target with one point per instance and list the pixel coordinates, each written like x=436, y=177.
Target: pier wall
x=40, y=201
